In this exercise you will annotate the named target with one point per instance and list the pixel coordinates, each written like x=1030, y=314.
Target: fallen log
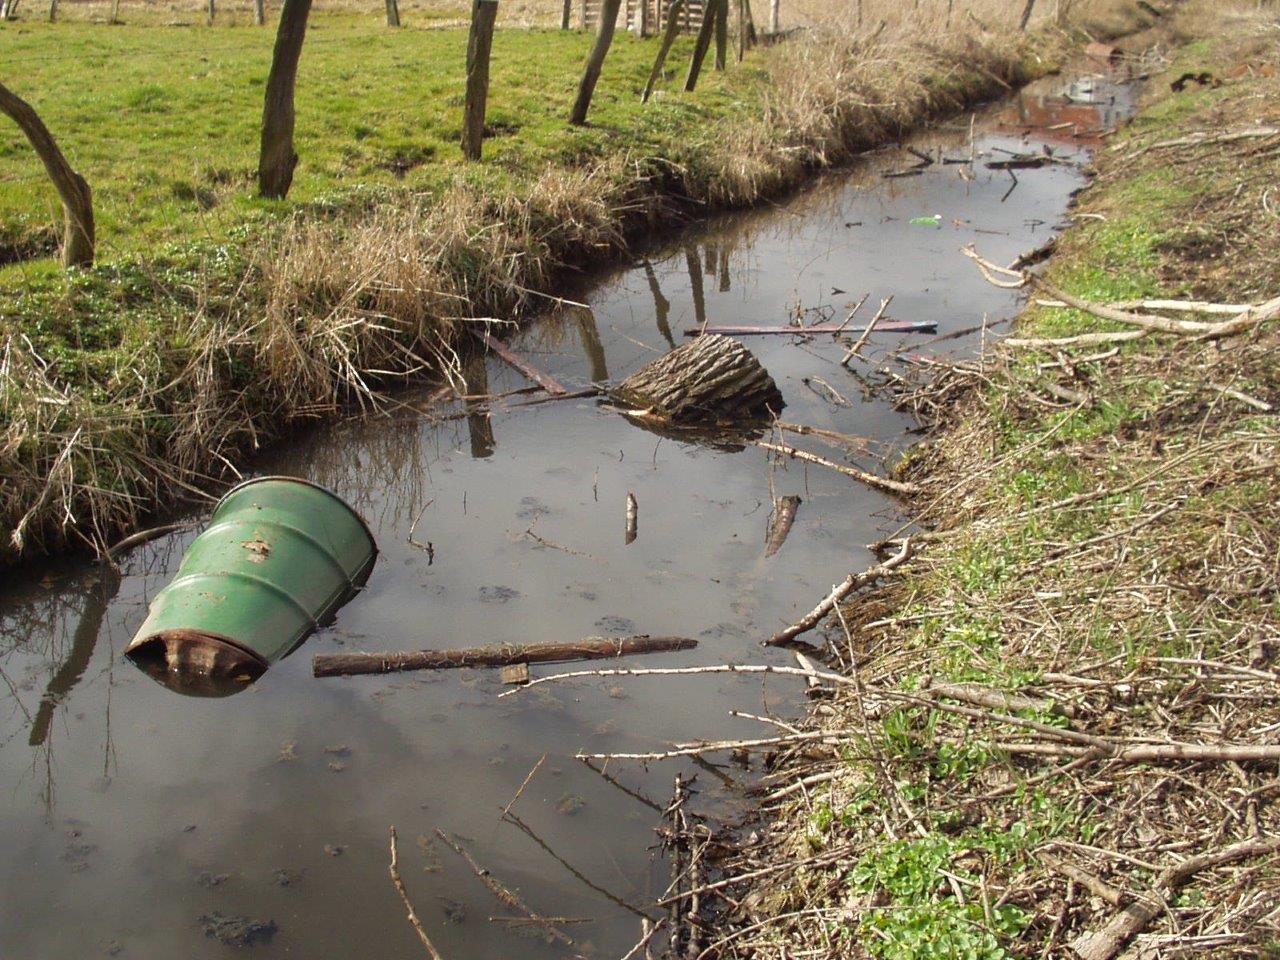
x=710, y=379
x=884, y=326
x=497, y=655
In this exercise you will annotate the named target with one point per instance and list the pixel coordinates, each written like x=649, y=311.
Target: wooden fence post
x=565, y=14
x=277, y=158
x=479, y=45
x=591, y=73
x=668, y=38
x=1026, y=15
x=393, y=13
x=73, y=189
x=259, y=12
x=710, y=13
x=722, y=34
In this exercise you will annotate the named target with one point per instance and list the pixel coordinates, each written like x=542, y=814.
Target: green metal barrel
x=279, y=557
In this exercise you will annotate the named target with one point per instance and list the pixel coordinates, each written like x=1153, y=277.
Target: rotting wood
x=408, y=905
x=838, y=593
x=710, y=379
x=780, y=521
x=501, y=892
x=884, y=326
x=513, y=359
x=668, y=38
x=73, y=190
x=498, y=655
x=870, y=479
x=479, y=46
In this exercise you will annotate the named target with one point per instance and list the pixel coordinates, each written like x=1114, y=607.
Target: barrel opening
x=196, y=663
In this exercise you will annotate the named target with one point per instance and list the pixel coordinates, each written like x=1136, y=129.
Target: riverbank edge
x=1093, y=569
x=326, y=315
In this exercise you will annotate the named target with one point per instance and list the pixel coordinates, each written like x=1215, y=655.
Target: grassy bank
x=213, y=319
x=1097, y=574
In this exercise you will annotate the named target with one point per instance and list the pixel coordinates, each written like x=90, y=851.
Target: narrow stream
x=128, y=812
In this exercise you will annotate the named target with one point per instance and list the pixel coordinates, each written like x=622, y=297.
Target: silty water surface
x=129, y=812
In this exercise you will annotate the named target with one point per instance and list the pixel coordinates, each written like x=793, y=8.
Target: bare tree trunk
x=277, y=158
x=73, y=189
x=1026, y=15
x=710, y=13
x=53, y=10
x=259, y=12
x=591, y=74
x=115, y=11
x=775, y=15
x=564, y=15
x=393, y=13
x=668, y=38
x=483, y=14
x=211, y=11
x=722, y=34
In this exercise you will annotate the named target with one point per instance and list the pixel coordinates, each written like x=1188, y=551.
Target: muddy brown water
x=128, y=812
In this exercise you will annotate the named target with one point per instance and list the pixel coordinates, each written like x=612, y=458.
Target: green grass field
x=163, y=120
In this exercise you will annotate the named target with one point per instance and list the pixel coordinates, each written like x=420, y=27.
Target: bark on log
x=500, y=655
x=707, y=380
x=595, y=62
x=277, y=158
x=73, y=189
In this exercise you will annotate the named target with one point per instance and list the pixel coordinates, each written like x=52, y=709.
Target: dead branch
x=838, y=593
x=501, y=892
x=1124, y=926
x=404, y=896
x=677, y=671
x=870, y=479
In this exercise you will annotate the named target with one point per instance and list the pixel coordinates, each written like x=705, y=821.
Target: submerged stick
x=513, y=359
x=408, y=905
x=633, y=511
x=501, y=892
x=498, y=655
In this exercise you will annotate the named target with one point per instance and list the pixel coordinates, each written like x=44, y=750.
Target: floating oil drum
x=279, y=557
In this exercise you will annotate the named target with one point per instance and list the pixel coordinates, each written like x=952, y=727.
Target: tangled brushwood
x=1058, y=728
